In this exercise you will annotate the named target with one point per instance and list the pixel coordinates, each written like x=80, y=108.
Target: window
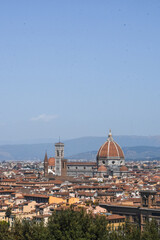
x=57, y=153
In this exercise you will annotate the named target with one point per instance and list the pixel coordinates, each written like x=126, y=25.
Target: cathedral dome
x=123, y=169
x=110, y=149
x=102, y=168
x=51, y=161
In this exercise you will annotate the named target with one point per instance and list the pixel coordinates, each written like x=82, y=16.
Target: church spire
x=46, y=157
x=46, y=165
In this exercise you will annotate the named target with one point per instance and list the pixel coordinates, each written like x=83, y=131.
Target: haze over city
x=78, y=68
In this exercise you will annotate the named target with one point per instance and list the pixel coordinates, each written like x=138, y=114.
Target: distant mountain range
x=131, y=153
x=134, y=147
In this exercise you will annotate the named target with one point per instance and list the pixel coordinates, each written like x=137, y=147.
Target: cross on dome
x=110, y=136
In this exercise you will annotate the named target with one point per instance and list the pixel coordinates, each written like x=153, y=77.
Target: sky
x=74, y=68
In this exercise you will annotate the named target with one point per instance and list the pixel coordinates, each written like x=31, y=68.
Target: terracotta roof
x=51, y=161
x=156, y=177
x=35, y=195
x=115, y=216
x=6, y=191
x=61, y=194
x=105, y=187
x=102, y=168
x=87, y=194
x=8, y=180
x=123, y=169
x=33, y=177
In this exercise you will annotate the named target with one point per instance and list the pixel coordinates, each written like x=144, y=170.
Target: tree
x=17, y=230
x=8, y=213
x=5, y=234
x=75, y=225
x=69, y=224
x=150, y=231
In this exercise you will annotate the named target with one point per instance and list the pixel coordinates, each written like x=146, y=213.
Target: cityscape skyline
x=75, y=69
x=79, y=119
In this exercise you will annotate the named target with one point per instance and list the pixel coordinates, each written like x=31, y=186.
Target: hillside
x=131, y=153
x=84, y=148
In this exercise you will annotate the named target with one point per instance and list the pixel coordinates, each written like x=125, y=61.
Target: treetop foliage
x=72, y=225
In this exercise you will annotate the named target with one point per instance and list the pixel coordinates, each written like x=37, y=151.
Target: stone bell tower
x=59, y=155
x=148, y=198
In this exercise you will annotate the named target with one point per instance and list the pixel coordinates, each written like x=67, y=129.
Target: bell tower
x=59, y=155
x=148, y=198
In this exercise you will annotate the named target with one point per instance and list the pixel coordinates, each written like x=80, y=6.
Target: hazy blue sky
x=78, y=68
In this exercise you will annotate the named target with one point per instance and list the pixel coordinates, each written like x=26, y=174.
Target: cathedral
x=110, y=161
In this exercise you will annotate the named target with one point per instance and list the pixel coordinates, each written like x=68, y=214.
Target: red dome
x=110, y=149
x=51, y=161
x=123, y=169
x=102, y=168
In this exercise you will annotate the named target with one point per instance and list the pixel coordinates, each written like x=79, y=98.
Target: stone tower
x=46, y=165
x=148, y=198
x=59, y=155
